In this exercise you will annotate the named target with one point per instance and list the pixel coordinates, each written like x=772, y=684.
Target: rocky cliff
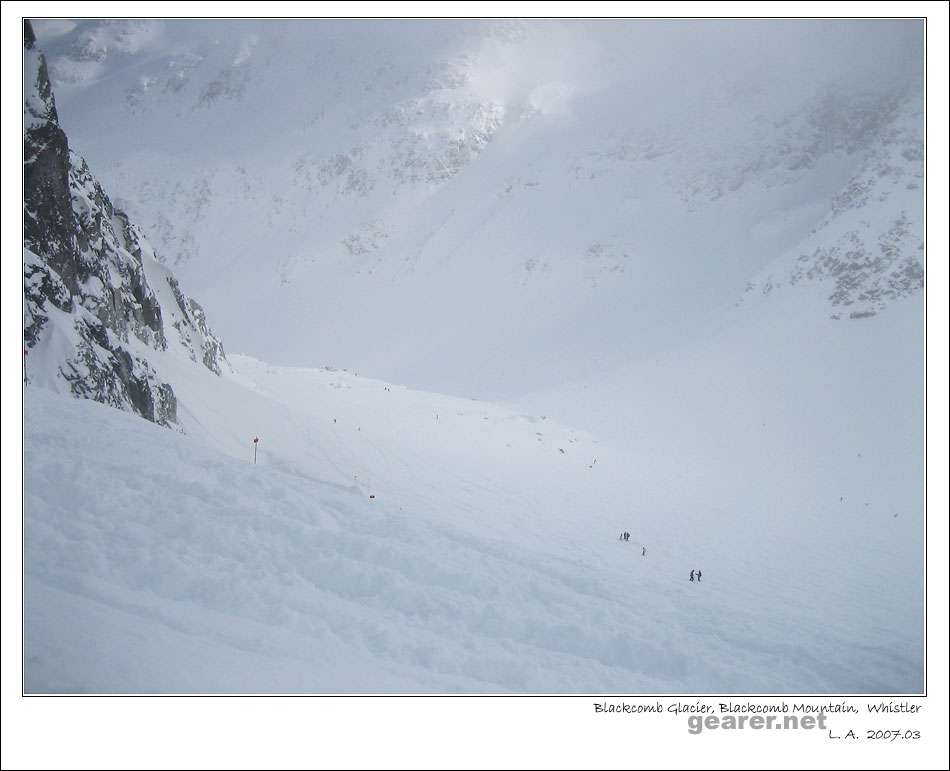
x=98, y=305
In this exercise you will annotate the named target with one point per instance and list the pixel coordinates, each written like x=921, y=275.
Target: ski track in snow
x=158, y=564
x=587, y=261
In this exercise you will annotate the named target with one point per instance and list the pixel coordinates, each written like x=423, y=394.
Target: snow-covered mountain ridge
x=585, y=182
x=97, y=300
x=487, y=279
x=869, y=249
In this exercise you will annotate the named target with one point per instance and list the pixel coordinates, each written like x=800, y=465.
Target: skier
x=699, y=576
x=621, y=535
x=644, y=552
x=626, y=535
x=692, y=575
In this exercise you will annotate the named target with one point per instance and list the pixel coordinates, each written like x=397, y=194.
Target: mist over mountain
x=484, y=208
x=493, y=293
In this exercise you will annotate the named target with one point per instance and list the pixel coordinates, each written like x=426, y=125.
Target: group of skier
x=695, y=576
x=625, y=536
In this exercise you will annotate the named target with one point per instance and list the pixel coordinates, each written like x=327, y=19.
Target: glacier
x=492, y=293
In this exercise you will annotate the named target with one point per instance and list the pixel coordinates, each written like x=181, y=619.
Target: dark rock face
x=91, y=280
x=109, y=262
x=208, y=346
x=48, y=220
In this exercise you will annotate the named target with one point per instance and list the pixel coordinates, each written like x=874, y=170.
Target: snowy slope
x=560, y=219
x=481, y=208
x=488, y=560
x=781, y=410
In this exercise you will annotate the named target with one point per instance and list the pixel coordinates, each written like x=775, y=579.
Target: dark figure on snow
x=699, y=576
x=621, y=535
x=644, y=552
x=626, y=535
x=692, y=575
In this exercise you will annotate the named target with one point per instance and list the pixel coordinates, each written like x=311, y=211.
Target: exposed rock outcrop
x=96, y=299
